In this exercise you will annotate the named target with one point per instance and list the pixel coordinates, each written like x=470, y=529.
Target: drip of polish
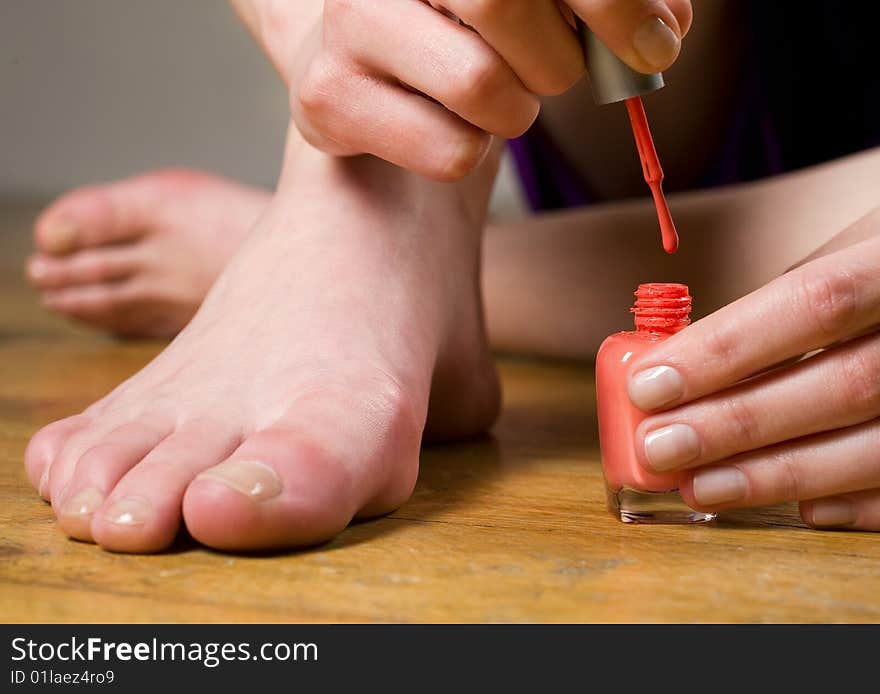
x=652, y=170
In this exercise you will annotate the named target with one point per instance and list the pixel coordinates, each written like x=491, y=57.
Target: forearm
x=557, y=284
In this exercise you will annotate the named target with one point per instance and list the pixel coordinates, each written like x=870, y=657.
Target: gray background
x=93, y=90
x=98, y=89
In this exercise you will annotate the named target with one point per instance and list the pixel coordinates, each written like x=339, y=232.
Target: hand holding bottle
x=749, y=421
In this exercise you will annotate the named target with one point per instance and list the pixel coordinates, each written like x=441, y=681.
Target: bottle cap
x=612, y=79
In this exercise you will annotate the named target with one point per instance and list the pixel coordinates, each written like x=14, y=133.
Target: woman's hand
x=750, y=428
x=403, y=80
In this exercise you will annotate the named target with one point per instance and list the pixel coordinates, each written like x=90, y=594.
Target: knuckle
x=788, y=483
x=831, y=299
x=720, y=345
x=742, y=422
x=315, y=96
x=479, y=78
x=860, y=374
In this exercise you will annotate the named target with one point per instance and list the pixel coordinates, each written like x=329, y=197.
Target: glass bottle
x=635, y=494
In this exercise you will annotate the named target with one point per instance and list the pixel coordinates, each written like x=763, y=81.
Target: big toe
x=90, y=216
x=301, y=481
x=277, y=490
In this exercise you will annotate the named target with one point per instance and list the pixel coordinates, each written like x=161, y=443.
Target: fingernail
x=252, y=478
x=652, y=388
x=671, y=446
x=37, y=269
x=60, y=237
x=719, y=485
x=830, y=513
x=83, y=503
x=130, y=510
x=468, y=155
x=656, y=43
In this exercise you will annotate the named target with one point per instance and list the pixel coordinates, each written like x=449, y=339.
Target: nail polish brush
x=612, y=81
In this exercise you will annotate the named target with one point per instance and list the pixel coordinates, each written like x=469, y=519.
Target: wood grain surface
x=510, y=527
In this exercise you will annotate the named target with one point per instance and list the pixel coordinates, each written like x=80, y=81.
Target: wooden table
x=511, y=527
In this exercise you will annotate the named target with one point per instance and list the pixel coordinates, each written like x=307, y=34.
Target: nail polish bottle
x=636, y=495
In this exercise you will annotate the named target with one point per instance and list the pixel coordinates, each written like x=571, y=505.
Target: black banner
x=542, y=657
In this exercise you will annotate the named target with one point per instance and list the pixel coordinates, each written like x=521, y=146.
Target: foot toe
x=95, y=304
x=45, y=446
x=92, y=266
x=88, y=216
x=97, y=472
x=143, y=512
x=276, y=490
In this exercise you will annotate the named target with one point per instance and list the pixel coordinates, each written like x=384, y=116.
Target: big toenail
x=60, y=236
x=131, y=510
x=83, y=503
x=252, y=478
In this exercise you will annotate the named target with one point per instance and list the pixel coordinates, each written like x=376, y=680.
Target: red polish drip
x=652, y=171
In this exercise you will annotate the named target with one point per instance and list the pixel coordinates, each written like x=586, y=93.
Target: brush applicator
x=613, y=80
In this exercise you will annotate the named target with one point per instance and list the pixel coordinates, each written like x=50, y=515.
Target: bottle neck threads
x=661, y=307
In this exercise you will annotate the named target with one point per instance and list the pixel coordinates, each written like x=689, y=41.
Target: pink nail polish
x=636, y=495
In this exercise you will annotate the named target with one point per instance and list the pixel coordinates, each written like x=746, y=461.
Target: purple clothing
x=797, y=105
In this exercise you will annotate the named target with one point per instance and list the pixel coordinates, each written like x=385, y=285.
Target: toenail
x=60, y=236
x=131, y=510
x=252, y=478
x=83, y=503
x=37, y=269
x=43, y=486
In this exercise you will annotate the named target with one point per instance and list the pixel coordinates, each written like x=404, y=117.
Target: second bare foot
x=138, y=256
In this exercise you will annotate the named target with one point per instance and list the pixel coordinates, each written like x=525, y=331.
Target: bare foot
x=296, y=398
x=138, y=256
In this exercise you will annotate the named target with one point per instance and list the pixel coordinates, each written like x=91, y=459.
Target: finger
x=827, y=300
x=90, y=266
x=300, y=97
x=767, y=410
x=391, y=123
x=837, y=462
x=532, y=36
x=439, y=58
x=858, y=511
x=645, y=34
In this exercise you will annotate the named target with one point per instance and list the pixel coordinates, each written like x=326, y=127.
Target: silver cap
x=612, y=79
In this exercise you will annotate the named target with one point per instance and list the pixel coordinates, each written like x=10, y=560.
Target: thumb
x=645, y=34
